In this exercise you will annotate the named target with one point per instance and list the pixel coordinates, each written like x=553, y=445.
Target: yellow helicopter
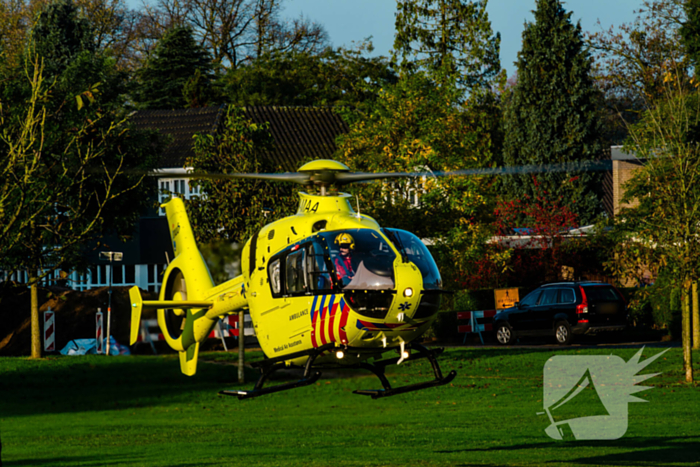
x=325, y=288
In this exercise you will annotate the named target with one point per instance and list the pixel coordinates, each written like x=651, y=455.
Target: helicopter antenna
x=357, y=198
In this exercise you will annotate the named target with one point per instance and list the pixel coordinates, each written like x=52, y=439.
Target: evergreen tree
x=177, y=74
x=552, y=116
x=690, y=33
x=60, y=35
x=450, y=39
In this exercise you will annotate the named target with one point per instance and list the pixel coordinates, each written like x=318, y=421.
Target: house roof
x=180, y=125
x=300, y=133
x=617, y=154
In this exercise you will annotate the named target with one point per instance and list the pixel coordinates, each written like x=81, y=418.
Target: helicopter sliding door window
x=301, y=270
x=295, y=273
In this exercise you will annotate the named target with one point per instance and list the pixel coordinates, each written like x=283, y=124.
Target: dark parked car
x=561, y=310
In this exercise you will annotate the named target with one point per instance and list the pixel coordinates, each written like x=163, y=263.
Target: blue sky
x=354, y=20
x=348, y=21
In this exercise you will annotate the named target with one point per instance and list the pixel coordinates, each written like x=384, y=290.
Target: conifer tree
x=552, y=116
x=175, y=65
x=448, y=39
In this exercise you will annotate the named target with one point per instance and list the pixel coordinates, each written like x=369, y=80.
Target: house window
x=410, y=190
x=181, y=187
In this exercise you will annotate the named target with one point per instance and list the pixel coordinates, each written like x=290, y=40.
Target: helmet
x=345, y=239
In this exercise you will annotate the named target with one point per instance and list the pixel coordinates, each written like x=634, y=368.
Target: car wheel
x=562, y=332
x=504, y=335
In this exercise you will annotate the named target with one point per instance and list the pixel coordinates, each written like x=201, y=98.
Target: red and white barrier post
x=49, y=331
x=474, y=326
x=99, y=336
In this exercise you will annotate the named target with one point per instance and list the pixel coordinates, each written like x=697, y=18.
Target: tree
x=630, y=63
x=690, y=34
x=551, y=116
x=16, y=21
x=60, y=35
x=416, y=126
x=233, y=210
x=450, y=39
x=664, y=220
x=237, y=31
x=178, y=72
x=116, y=28
x=333, y=77
x=65, y=149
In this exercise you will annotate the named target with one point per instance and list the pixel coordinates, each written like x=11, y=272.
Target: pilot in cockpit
x=343, y=262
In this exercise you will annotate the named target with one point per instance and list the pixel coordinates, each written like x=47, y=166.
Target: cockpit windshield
x=362, y=259
x=416, y=252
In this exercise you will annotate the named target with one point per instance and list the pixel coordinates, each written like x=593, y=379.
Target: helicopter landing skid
x=269, y=366
x=378, y=369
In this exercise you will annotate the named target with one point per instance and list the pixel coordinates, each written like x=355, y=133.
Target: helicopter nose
x=409, y=286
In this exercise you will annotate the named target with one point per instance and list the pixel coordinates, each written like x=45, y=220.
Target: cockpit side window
x=275, y=275
x=319, y=277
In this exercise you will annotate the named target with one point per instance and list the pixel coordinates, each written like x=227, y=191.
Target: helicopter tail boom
x=138, y=305
x=189, y=303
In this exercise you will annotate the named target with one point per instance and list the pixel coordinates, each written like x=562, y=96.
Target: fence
x=145, y=276
x=226, y=327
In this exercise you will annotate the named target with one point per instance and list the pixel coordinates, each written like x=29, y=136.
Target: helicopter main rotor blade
x=344, y=178
x=331, y=177
x=294, y=177
x=588, y=166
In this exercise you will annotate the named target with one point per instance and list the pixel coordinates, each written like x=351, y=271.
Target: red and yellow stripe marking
x=329, y=316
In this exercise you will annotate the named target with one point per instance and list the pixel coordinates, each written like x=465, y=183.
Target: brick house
x=623, y=166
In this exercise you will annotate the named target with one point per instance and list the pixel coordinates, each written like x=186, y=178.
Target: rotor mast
x=322, y=173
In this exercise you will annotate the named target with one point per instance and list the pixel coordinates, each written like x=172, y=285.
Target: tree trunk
x=687, y=351
x=696, y=318
x=36, y=328
x=241, y=347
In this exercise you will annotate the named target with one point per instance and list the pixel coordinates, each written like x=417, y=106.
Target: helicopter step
x=271, y=365
x=378, y=369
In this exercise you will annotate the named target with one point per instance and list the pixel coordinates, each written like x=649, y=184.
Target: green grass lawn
x=139, y=410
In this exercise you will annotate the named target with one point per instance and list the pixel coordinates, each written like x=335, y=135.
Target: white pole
x=98, y=332
x=109, y=303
